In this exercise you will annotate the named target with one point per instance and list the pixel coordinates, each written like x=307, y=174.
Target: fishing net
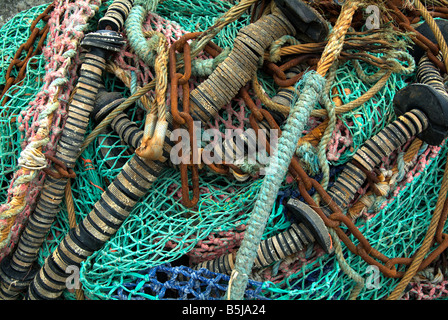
x=152, y=255
x=16, y=99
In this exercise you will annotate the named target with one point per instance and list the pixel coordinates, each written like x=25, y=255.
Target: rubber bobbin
x=115, y=15
x=312, y=221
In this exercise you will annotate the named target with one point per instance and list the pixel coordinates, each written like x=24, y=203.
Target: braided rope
x=230, y=16
x=337, y=36
x=129, y=81
x=313, y=83
x=61, y=54
x=154, y=52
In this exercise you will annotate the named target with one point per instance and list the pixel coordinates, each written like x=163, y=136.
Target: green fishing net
x=161, y=233
x=14, y=33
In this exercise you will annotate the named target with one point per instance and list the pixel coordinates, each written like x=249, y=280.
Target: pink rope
x=426, y=291
x=340, y=141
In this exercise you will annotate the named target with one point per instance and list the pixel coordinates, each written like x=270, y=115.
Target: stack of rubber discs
x=116, y=15
x=371, y=153
x=104, y=39
x=239, y=67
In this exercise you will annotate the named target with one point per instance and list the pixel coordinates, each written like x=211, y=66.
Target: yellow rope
x=72, y=223
x=435, y=29
x=442, y=196
x=17, y=202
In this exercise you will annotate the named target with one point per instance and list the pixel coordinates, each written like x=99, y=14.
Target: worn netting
x=355, y=127
x=151, y=255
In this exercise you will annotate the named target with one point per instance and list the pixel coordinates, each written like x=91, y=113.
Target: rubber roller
x=422, y=110
x=18, y=270
x=21, y=265
x=116, y=15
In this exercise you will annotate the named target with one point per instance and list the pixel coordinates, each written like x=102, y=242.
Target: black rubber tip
x=303, y=213
x=432, y=103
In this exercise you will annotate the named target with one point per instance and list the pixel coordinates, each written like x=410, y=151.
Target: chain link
x=184, y=117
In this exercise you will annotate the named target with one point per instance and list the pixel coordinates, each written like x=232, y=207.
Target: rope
x=322, y=155
x=435, y=29
x=128, y=81
x=145, y=49
x=154, y=52
x=345, y=266
x=312, y=84
x=156, y=125
x=72, y=223
x=272, y=105
x=230, y=16
x=278, y=166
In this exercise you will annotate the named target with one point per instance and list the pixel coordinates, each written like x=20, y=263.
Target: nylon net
x=16, y=99
x=152, y=254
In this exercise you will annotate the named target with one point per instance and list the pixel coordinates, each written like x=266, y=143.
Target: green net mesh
x=161, y=233
x=195, y=16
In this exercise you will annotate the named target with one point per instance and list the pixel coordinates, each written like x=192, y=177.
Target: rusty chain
x=183, y=117
x=30, y=49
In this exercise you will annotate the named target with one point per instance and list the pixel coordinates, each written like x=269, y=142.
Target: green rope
x=312, y=87
x=145, y=49
x=323, y=143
